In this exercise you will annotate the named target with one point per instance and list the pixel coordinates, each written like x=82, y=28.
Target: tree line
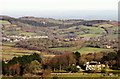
x=17, y=65
x=34, y=64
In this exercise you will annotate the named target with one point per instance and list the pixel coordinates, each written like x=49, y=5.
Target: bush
x=73, y=69
x=55, y=77
x=46, y=72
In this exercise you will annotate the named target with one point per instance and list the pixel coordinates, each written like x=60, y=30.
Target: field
x=61, y=48
x=27, y=33
x=9, y=52
x=75, y=30
x=86, y=50
x=105, y=25
x=4, y=22
x=70, y=76
x=83, y=31
x=83, y=50
x=8, y=43
x=77, y=74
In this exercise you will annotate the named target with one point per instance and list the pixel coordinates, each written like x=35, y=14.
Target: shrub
x=73, y=69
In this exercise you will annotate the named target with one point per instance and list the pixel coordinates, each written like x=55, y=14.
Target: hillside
x=85, y=36
x=72, y=28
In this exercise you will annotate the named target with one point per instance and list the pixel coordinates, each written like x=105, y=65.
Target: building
x=108, y=47
x=94, y=65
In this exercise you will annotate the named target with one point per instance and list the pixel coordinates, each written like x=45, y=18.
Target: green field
x=81, y=76
x=4, y=22
x=9, y=52
x=105, y=25
x=61, y=48
x=74, y=30
x=83, y=50
x=90, y=35
x=83, y=31
x=112, y=36
x=27, y=33
x=9, y=43
x=86, y=50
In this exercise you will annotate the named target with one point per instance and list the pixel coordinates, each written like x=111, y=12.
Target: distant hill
x=71, y=28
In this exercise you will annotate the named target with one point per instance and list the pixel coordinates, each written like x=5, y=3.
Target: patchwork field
x=9, y=52
x=62, y=31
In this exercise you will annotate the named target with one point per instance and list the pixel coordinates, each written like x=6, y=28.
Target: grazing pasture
x=86, y=50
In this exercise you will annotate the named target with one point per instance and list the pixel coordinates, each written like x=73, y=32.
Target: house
x=78, y=67
x=108, y=47
x=94, y=65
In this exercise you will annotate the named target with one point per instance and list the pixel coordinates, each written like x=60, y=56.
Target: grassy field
x=81, y=31
x=9, y=52
x=8, y=43
x=84, y=31
x=49, y=55
x=113, y=36
x=80, y=76
x=16, y=32
x=61, y=48
x=83, y=50
x=105, y=25
x=27, y=33
x=90, y=35
x=4, y=22
x=86, y=50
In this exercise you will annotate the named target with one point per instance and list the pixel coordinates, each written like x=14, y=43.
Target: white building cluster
x=18, y=38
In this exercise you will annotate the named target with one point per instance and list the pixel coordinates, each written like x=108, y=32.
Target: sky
x=88, y=9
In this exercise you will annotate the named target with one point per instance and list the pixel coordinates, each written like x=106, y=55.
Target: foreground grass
x=68, y=76
x=80, y=76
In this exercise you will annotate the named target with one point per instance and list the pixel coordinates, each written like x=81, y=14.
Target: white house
x=93, y=65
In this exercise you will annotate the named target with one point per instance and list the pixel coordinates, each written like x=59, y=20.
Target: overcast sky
x=50, y=8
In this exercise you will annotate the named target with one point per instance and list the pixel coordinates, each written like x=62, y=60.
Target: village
x=16, y=38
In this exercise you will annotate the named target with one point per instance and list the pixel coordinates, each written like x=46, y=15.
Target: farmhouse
x=94, y=65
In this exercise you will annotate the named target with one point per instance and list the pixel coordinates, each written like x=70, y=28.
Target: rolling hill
x=53, y=28
x=71, y=28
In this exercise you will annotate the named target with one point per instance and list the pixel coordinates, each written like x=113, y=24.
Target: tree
x=33, y=68
x=82, y=61
x=111, y=56
x=62, y=61
x=16, y=65
x=98, y=56
x=3, y=68
x=89, y=57
x=110, y=59
x=118, y=59
x=77, y=56
x=73, y=69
